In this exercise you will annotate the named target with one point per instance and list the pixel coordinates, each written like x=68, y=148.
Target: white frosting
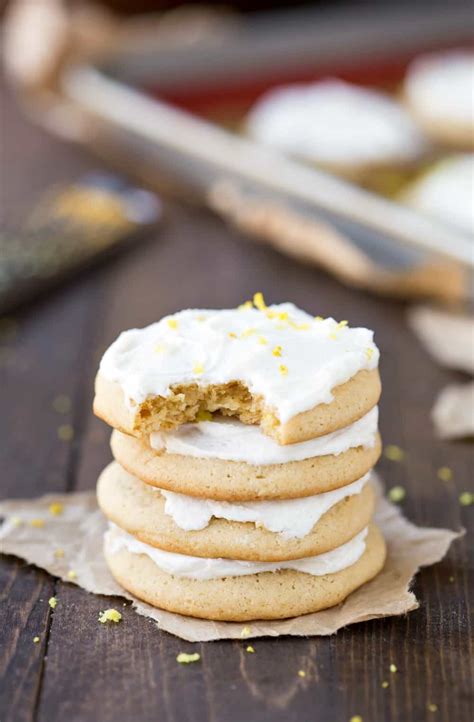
x=337, y=123
x=216, y=347
x=292, y=518
x=447, y=192
x=181, y=565
x=229, y=439
x=441, y=85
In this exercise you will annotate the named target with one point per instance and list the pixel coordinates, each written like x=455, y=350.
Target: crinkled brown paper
x=78, y=532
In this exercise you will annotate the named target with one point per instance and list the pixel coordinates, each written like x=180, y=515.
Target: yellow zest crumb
x=369, y=352
x=71, y=574
x=432, y=707
x=59, y=553
x=445, y=473
x=394, y=453
x=62, y=404
x=282, y=316
x=246, y=632
x=56, y=508
x=262, y=340
x=393, y=668
x=65, y=432
x=248, y=332
x=200, y=318
x=270, y=314
x=172, y=323
x=277, y=351
x=302, y=326
x=159, y=348
x=52, y=601
x=245, y=306
x=385, y=684
x=466, y=498
x=37, y=523
x=110, y=615
x=318, y=318
x=301, y=673
x=198, y=369
x=250, y=649
x=16, y=521
x=332, y=336
x=342, y=324
x=259, y=301
x=36, y=640
x=396, y=494
x=232, y=335
x=356, y=718
x=203, y=415
x=184, y=658
x=283, y=369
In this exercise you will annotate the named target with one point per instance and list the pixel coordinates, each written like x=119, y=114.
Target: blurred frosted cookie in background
x=446, y=192
x=439, y=91
x=356, y=132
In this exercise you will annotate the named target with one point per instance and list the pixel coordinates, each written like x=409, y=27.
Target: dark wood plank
x=129, y=671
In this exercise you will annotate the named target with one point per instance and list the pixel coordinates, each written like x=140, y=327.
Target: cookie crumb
x=396, y=494
x=204, y=415
x=56, y=508
x=250, y=649
x=246, y=632
x=445, y=473
x=52, y=601
x=184, y=658
x=392, y=452
x=110, y=615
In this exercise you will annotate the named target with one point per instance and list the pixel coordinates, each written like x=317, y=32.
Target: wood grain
x=83, y=671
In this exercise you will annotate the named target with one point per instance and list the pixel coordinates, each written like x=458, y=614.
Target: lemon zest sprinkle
x=393, y=668
x=59, y=553
x=159, y=348
x=432, y=707
x=16, y=521
x=262, y=340
x=56, y=508
x=394, y=453
x=245, y=632
x=319, y=318
x=52, y=601
x=445, y=473
x=231, y=334
x=283, y=316
x=356, y=718
x=198, y=369
x=277, y=351
x=184, y=658
x=248, y=332
x=71, y=574
x=342, y=324
x=259, y=301
x=301, y=673
x=65, y=432
x=36, y=640
x=396, y=494
x=250, y=649
x=110, y=615
x=333, y=336
x=466, y=498
x=283, y=369
x=245, y=306
x=385, y=684
x=369, y=352
x=172, y=323
x=37, y=523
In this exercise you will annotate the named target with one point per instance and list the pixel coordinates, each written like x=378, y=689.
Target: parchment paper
x=78, y=533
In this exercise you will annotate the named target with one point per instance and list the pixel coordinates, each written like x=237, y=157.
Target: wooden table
x=82, y=671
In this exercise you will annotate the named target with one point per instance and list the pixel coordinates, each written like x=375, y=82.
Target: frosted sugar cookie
x=259, y=531
x=446, y=192
x=439, y=91
x=228, y=590
x=350, y=130
x=296, y=376
x=230, y=461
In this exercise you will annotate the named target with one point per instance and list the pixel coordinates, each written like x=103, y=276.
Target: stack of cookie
x=243, y=443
